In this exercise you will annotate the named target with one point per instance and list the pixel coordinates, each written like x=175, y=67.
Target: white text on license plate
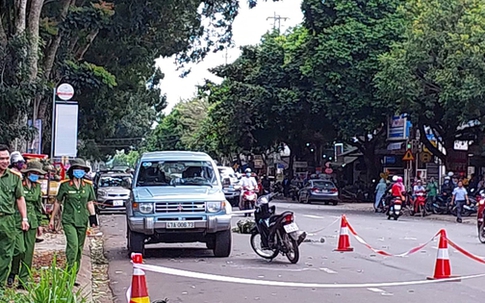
x=118, y=203
x=180, y=224
x=291, y=228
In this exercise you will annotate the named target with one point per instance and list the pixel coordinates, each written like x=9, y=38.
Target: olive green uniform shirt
x=11, y=189
x=33, y=201
x=75, y=202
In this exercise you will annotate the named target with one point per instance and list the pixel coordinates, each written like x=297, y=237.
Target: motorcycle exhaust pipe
x=301, y=238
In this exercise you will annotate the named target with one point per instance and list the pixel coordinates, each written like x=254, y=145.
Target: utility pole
x=277, y=18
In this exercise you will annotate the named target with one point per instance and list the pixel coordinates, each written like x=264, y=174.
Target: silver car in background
x=112, y=191
x=319, y=190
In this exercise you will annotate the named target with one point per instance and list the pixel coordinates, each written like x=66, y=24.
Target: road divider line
x=228, y=279
x=313, y=217
x=328, y=270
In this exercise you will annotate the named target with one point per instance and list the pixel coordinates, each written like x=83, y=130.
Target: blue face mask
x=78, y=173
x=33, y=177
x=248, y=174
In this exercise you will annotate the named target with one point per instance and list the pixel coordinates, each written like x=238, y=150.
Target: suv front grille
x=177, y=207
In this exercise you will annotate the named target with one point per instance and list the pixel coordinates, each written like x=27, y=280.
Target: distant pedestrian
x=380, y=191
x=460, y=197
x=432, y=189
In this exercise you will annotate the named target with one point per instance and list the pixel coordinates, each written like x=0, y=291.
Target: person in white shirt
x=248, y=181
x=460, y=197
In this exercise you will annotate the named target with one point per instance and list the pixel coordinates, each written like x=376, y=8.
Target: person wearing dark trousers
x=460, y=197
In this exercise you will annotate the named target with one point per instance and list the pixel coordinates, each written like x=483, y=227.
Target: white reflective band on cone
x=344, y=231
x=443, y=254
x=138, y=272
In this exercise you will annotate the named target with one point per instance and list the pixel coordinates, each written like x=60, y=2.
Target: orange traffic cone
x=442, y=269
x=139, y=291
x=344, y=240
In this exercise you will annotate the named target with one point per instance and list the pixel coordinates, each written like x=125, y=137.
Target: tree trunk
x=21, y=16
x=33, y=34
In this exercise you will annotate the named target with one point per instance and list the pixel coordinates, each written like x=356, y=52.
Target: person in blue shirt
x=460, y=197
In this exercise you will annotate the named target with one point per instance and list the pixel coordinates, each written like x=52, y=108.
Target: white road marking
x=328, y=270
x=313, y=217
x=380, y=291
x=375, y=289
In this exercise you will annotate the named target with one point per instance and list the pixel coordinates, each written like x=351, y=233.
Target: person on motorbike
x=418, y=188
x=397, y=190
x=447, y=187
x=247, y=182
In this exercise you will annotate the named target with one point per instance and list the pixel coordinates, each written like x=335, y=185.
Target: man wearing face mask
x=247, y=182
x=77, y=196
x=22, y=260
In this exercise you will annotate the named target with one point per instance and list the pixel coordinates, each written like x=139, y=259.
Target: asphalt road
x=318, y=262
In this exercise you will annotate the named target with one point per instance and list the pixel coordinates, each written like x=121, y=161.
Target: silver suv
x=177, y=197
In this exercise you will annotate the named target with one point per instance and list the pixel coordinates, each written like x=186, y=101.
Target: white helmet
x=447, y=178
x=248, y=170
x=16, y=157
x=394, y=178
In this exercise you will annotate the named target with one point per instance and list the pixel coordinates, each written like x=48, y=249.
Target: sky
x=248, y=28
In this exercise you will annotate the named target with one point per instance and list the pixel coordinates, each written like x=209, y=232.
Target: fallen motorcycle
x=275, y=233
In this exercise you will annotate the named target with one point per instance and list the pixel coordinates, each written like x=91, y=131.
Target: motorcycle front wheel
x=256, y=245
x=293, y=254
x=481, y=232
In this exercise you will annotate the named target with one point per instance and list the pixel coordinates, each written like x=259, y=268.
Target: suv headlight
x=213, y=207
x=144, y=208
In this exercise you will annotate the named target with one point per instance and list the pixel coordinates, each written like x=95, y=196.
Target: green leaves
x=436, y=74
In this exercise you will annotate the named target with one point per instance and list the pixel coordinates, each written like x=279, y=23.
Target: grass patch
x=54, y=285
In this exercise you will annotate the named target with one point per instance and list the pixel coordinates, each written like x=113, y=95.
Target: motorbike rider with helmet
x=248, y=181
x=397, y=190
x=447, y=187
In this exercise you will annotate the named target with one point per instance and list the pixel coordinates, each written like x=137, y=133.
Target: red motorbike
x=481, y=216
x=419, y=203
x=249, y=198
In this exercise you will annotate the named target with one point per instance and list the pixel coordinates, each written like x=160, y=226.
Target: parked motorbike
x=274, y=234
x=248, y=199
x=419, y=204
x=395, y=209
x=441, y=205
x=481, y=216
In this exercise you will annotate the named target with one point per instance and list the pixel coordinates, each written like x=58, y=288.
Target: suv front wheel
x=136, y=242
x=223, y=244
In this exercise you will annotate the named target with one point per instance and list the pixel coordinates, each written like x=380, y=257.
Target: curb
x=85, y=273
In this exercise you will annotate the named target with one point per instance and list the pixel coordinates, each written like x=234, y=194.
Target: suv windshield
x=164, y=173
x=113, y=181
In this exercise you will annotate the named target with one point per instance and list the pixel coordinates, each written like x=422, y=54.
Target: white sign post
x=64, y=122
x=65, y=91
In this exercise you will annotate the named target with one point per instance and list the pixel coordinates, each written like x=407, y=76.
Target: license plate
x=397, y=207
x=291, y=228
x=118, y=203
x=180, y=224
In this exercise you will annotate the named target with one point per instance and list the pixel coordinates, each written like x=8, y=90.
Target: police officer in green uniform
x=77, y=196
x=11, y=193
x=22, y=260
